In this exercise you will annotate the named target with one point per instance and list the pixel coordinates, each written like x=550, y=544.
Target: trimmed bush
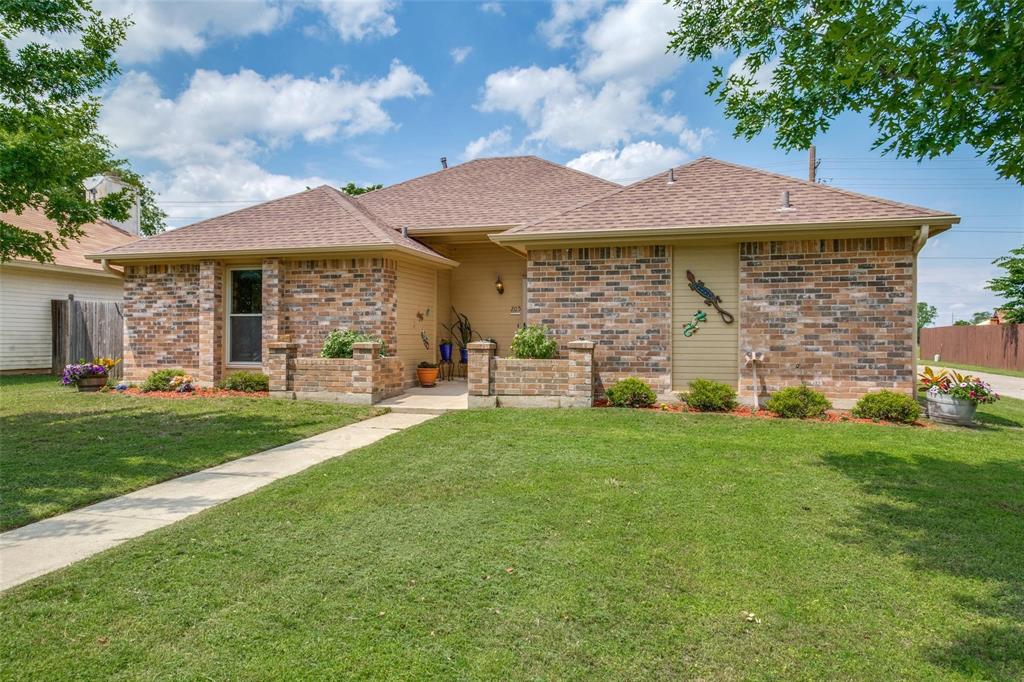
x=709, y=396
x=798, y=402
x=160, y=380
x=249, y=382
x=533, y=342
x=631, y=392
x=887, y=406
x=338, y=343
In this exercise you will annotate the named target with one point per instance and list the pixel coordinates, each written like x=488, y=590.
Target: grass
x=573, y=544
x=974, y=368
x=63, y=449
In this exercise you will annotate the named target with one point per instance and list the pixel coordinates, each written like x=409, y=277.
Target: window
x=245, y=316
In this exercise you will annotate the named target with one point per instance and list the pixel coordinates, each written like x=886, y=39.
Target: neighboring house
x=27, y=287
x=820, y=279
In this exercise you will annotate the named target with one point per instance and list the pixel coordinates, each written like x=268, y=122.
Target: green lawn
x=589, y=544
x=974, y=368
x=62, y=449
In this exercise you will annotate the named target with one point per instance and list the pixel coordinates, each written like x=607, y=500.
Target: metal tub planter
x=946, y=409
x=953, y=397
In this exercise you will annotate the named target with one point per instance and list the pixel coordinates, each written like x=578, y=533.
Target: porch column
x=271, y=292
x=478, y=374
x=581, y=389
x=365, y=354
x=279, y=365
x=211, y=295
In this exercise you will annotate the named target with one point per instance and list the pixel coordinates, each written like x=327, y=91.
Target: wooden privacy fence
x=995, y=345
x=83, y=330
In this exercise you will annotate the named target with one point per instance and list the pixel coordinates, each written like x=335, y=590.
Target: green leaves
x=1011, y=285
x=928, y=81
x=49, y=142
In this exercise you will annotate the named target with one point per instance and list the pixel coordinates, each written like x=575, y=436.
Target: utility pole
x=812, y=165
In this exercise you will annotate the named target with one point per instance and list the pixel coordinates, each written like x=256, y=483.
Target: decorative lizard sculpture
x=710, y=298
x=691, y=328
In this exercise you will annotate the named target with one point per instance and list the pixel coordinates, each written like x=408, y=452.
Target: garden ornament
x=710, y=298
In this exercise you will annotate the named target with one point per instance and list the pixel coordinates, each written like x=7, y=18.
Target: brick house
x=822, y=280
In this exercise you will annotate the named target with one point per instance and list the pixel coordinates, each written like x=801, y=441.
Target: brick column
x=210, y=292
x=581, y=387
x=366, y=354
x=479, y=378
x=271, y=292
x=280, y=358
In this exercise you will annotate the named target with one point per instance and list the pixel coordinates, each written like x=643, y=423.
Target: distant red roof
x=98, y=237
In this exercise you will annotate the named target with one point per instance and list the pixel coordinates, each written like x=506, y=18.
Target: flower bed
x=831, y=416
x=194, y=393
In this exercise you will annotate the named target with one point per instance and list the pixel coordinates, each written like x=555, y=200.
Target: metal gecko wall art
x=691, y=328
x=710, y=298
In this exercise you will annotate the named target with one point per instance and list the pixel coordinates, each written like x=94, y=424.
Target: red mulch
x=197, y=393
x=831, y=417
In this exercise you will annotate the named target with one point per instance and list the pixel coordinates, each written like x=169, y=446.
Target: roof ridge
x=179, y=230
x=880, y=200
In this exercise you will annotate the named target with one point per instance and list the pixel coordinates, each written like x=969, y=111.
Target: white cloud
x=667, y=96
x=694, y=140
x=359, y=19
x=565, y=14
x=493, y=8
x=459, y=54
x=239, y=112
x=628, y=42
x=563, y=111
x=762, y=76
x=487, y=144
x=631, y=163
x=206, y=141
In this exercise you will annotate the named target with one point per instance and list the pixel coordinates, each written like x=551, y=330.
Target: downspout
x=919, y=241
x=109, y=270
x=921, y=238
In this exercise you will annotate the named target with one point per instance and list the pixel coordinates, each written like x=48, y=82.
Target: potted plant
x=953, y=397
x=426, y=372
x=462, y=331
x=446, y=350
x=87, y=376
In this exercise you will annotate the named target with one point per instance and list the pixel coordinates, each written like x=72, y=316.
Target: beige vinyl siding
x=473, y=292
x=713, y=351
x=417, y=293
x=25, y=295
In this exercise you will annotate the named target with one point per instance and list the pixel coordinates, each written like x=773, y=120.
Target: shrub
x=160, y=380
x=532, y=341
x=249, y=382
x=427, y=365
x=338, y=343
x=630, y=392
x=798, y=402
x=709, y=396
x=887, y=406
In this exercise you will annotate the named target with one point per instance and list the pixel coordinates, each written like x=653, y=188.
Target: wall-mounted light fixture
x=499, y=286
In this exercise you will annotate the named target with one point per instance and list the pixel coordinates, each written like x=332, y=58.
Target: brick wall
x=568, y=381
x=835, y=314
x=618, y=297
x=317, y=296
x=365, y=378
x=335, y=375
x=162, y=309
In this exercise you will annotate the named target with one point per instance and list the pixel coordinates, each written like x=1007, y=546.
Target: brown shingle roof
x=512, y=190
x=319, y=218
x=712, y=193
x=98, y=236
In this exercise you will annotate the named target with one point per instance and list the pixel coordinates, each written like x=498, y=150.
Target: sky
x=225, y=104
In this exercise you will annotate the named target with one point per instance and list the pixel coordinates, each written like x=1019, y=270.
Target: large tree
x=929, y=80
x=1011, y=285
x=49, y=142
x=926, y=314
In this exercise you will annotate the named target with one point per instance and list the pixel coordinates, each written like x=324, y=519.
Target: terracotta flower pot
x=946, y=409
x=91, y=384
x=427, y=376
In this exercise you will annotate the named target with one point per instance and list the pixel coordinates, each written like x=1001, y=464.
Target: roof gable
x=712, y=193
x=500, y=191
x=318, y=218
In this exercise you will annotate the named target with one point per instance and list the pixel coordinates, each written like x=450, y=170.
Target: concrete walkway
x=47, y=545
x=445, y=396
x=1011, y=387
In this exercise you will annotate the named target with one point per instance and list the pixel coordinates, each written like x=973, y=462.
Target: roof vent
x=671, y=175
x=785, y=200
x=405, y=232
x=444, y=162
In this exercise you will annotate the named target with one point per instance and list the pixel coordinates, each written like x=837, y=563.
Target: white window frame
x=228, y=297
